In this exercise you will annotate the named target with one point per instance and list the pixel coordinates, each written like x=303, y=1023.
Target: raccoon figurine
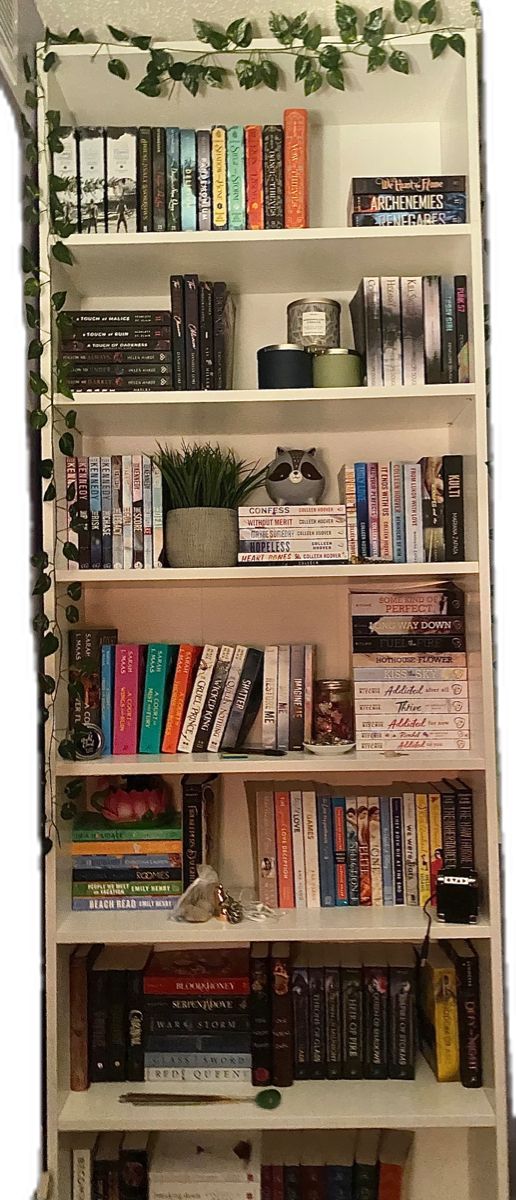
x=294, y=477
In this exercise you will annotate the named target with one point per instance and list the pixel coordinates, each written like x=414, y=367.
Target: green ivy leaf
x=74, y=591
x=312, y=38
x=72, y=614
x=330, y=57
x=40, y=623
x=118, y=68
x=66, y=444
x=376, y=58
x=475, y=9
x=43, y=584
x=37, y=384
x=50, y=60
x=438, y=43
x=117, y=34
x=46, y=468
x=53, y=118
x=27, y=68
x=50, y=492
x=71, y=552
x=399, y=61
x=27, y=129
x=79, y=525
x=29, y=262
x=49, y=645
x=141, y=42
x=215, y=76
x=269, y=74
x=57, y=184
x=313, y=82
x=74, y=789
x=302, y=66
x=148, y=88
x=54, y=143
x=31, y=287
x=191, y=78
x=428, y=12
x=402, y=10
x=30, y=99
x=335, y=78
x=66, y=749
x=31, y=153
x=40, y=559
x=75, y=36
x=37, y=419
x=247, y=73
x=71, y=419
x=213, y=37
x=64, y=389
x=58, y=299
x=457, y=43
x=70, y=492
x=64, y=324
x=374, y=27
x=48, y=684
x=31, y=316
x=346, y=17
x=240, y=32
x=69, y=810
x=35, y=348
x=280, y=28
x=76, y=689
x=62, y=253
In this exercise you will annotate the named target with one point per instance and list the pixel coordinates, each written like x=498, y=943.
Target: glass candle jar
x=338, y=368
x=333, y=711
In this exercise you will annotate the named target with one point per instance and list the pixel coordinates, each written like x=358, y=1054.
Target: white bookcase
x=383, y=123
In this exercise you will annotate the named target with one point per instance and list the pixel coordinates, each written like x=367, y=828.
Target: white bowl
x=329, y=751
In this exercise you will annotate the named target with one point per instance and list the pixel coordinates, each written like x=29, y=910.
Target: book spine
x=386, y=850
x=451, y=215
x=254, y=176
x=198, y=985
x=453, y=485
x=145, y=216
x=197, y=698
x=449, y=330
x=137, y=482
x=283, y=697
x=157, y=515
x=397, y=849
x=132, y=1174
x=414, y=548
x=106, y=511
x=410, y=849
x=432, y=329
x=435, y=831
x=375, y=1022
x=309, y=674
x=364, y=861
x=95, y=512
x=219, y=177
x=402, y=1022
x=177, y=296
x=206, y=331
x=188, y=161
x=66, y=167
x=468, y=1009
x=332, y=1022
x=79, y=1073
x=260, y=1012
x=391, y=331
x=236, y=177
x=159, y=204
x=375, y=850
x=204, y=192
x=117, y=1025
x=147, y=511
x=339, y=1183
x=281, y=1017
x=158, y=659
x=398, y=512
x=430, y=676
x=165, y=1059
x=373, y=332
x=362, y=185
x=82, y=1181
x=313, y=895
x=127, y=510
x=412, y=326
x=298, y=848
x=117, y=903
x=292, y=1182
x=213, y=699
x=446, y=1024
x=286, y=898
x=373, y=510
x=173, y=179
x=312, y=1182
x=193, y=363
x=186, y=664
x=196, y=1023
x=223, y=1074
x=277, y=1183
x=317, y=1024
x=352, y=1022
x=432, y=509
x=326, y=854
x=246, y=701
x=301, y=1020
x=98, y=1026
x=273, y=176
x=92, y=180
x=126, y=705
x=296, y=697
x=465, y=833
x=362, y=513
x=270, y=697
x=296, y=168
x=351, y=511
x=339, y=850
x=423, y=848
x=353, y=863
x=107, y=677
x=228, y=696
x=385, y=511
x=193, y=830
x=71, y=507
x=100, y=876
x=461, y=319
x=266, y=1183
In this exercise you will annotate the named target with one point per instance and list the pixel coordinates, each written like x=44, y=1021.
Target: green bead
x=269, y=1099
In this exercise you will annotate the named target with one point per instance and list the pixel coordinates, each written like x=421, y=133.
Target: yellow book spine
x=436, y=838
x=446, y=1024
x=423, y=847
x=123, y=849
x=219, y=177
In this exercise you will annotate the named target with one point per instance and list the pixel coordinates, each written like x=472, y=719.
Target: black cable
x=425, y=946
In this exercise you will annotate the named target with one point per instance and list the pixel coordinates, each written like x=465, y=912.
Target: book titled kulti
x=128, y=671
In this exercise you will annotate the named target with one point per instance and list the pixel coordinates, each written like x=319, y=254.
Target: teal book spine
x=159, y=658
x=107, y=681
x=236, y=177
x=173, y=182
x=188, y=155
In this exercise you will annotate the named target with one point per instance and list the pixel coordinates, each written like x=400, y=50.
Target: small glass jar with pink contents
x=333, y=712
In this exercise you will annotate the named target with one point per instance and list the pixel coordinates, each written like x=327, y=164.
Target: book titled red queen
x=205, y=972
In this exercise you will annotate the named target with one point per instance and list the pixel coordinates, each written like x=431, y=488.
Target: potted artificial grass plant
x=204, y=486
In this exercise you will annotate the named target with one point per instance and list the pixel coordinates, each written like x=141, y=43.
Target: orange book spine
x=254, y=176
x=187, y=660
x=284, y=850
x=296, y=168
x=390, y=1182
x=79, y=1077
x=123, y=849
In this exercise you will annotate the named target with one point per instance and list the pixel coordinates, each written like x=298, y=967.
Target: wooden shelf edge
x=279, y=574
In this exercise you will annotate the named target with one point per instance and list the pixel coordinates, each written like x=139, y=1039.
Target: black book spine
x=352, y=1022
x=292, y=1185
x=332, y=1022
x=108, y=371
x=461, y=317
x=317, y=1069
x=158, y=340
x=207, y=364
x=159, y=203
x=133, y=1183
x=177, y=295
x=410, y=644
x=401, y=1022
x=118, y=383
x=212, y=701
x=375, y=1022
x=145, y=180
x=449, y=330
x=202, y=1023
x=75, y=657
x=117, y=358
x=219, y=302
x=465, y=833
x=281, y=1017
x=83, y=511
x=193, y=373
x=192, y=830
x=453, y=485
x=118, y=318
x=117, y=1025
x=438, y=624
x=107, y=521
x=98, y=1052
x=301, y=1020
x=135, y=1048
x=100, y=1184
x=468, y=1006
x=245, y=699
x=363, y=185
x=260, y=1012
x=449, y=827
x=273, y=186
x=296, y=697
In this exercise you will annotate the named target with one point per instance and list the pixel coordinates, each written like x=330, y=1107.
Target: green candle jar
x=338, y=368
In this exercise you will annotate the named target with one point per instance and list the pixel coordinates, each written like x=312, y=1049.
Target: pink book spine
x=373, y=510
x=127, y=693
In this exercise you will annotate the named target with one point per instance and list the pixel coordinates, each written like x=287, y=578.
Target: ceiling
x=173, y=18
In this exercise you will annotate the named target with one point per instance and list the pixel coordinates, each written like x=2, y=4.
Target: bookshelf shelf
x=206, y=576
x=337, y=1104
x=298, y=925
x=292, y=764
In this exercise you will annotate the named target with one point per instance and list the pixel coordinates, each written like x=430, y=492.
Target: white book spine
x=283, y=697
x=385, y=510
x=82, y=1173
x=456, y=723
x=313, y=894
x=413, y=513
x=373, y=510
x=309, y=692
x=270, y=698
x=157, y=516
x=413, y=336
x=375, y=850
x=147, y=510
x=381, y=707
x=199, y=690
x=425, y=743
x=121, y=183
x=351, y=510
x=308, y=526
x=298, y=848
x=264, y=541
x=205, y=1190
x=440, y=693
x=127, y=509
x=414, y=674
x=391, y=322
x=309, y=558
x=228, y=696
x=293, y=510
x=71, y=482
x=92, y=180
x=410, y=855
x=198, y=1074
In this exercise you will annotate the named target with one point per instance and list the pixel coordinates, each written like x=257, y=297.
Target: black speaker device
x=457, y=895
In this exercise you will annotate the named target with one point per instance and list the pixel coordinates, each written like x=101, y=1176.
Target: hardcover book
x=317, y=1014
x=286, y=895
x=204, y=174
x=173, y=179
x=301, y=1013
x=376, y=986
x=282, y=1032
x=219, y=177
x=273, y=173
x=401, y=1013
x=352, y=1012
x=296, y=168
x=465, y=960
x=260, y=1012
x=145, y=180
x=192, y=349
x=188, y=160
x=236, y=177
x=178, y=332
x=254, y=176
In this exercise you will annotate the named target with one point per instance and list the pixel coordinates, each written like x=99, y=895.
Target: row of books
x=364, y=1164
x=327, y=847
x=131, y=849
x=155, y=179
x=305, y=533
x=408, y=200
x=405, y=511
x=412, y=330
x=114, y=511
x=415, y=640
